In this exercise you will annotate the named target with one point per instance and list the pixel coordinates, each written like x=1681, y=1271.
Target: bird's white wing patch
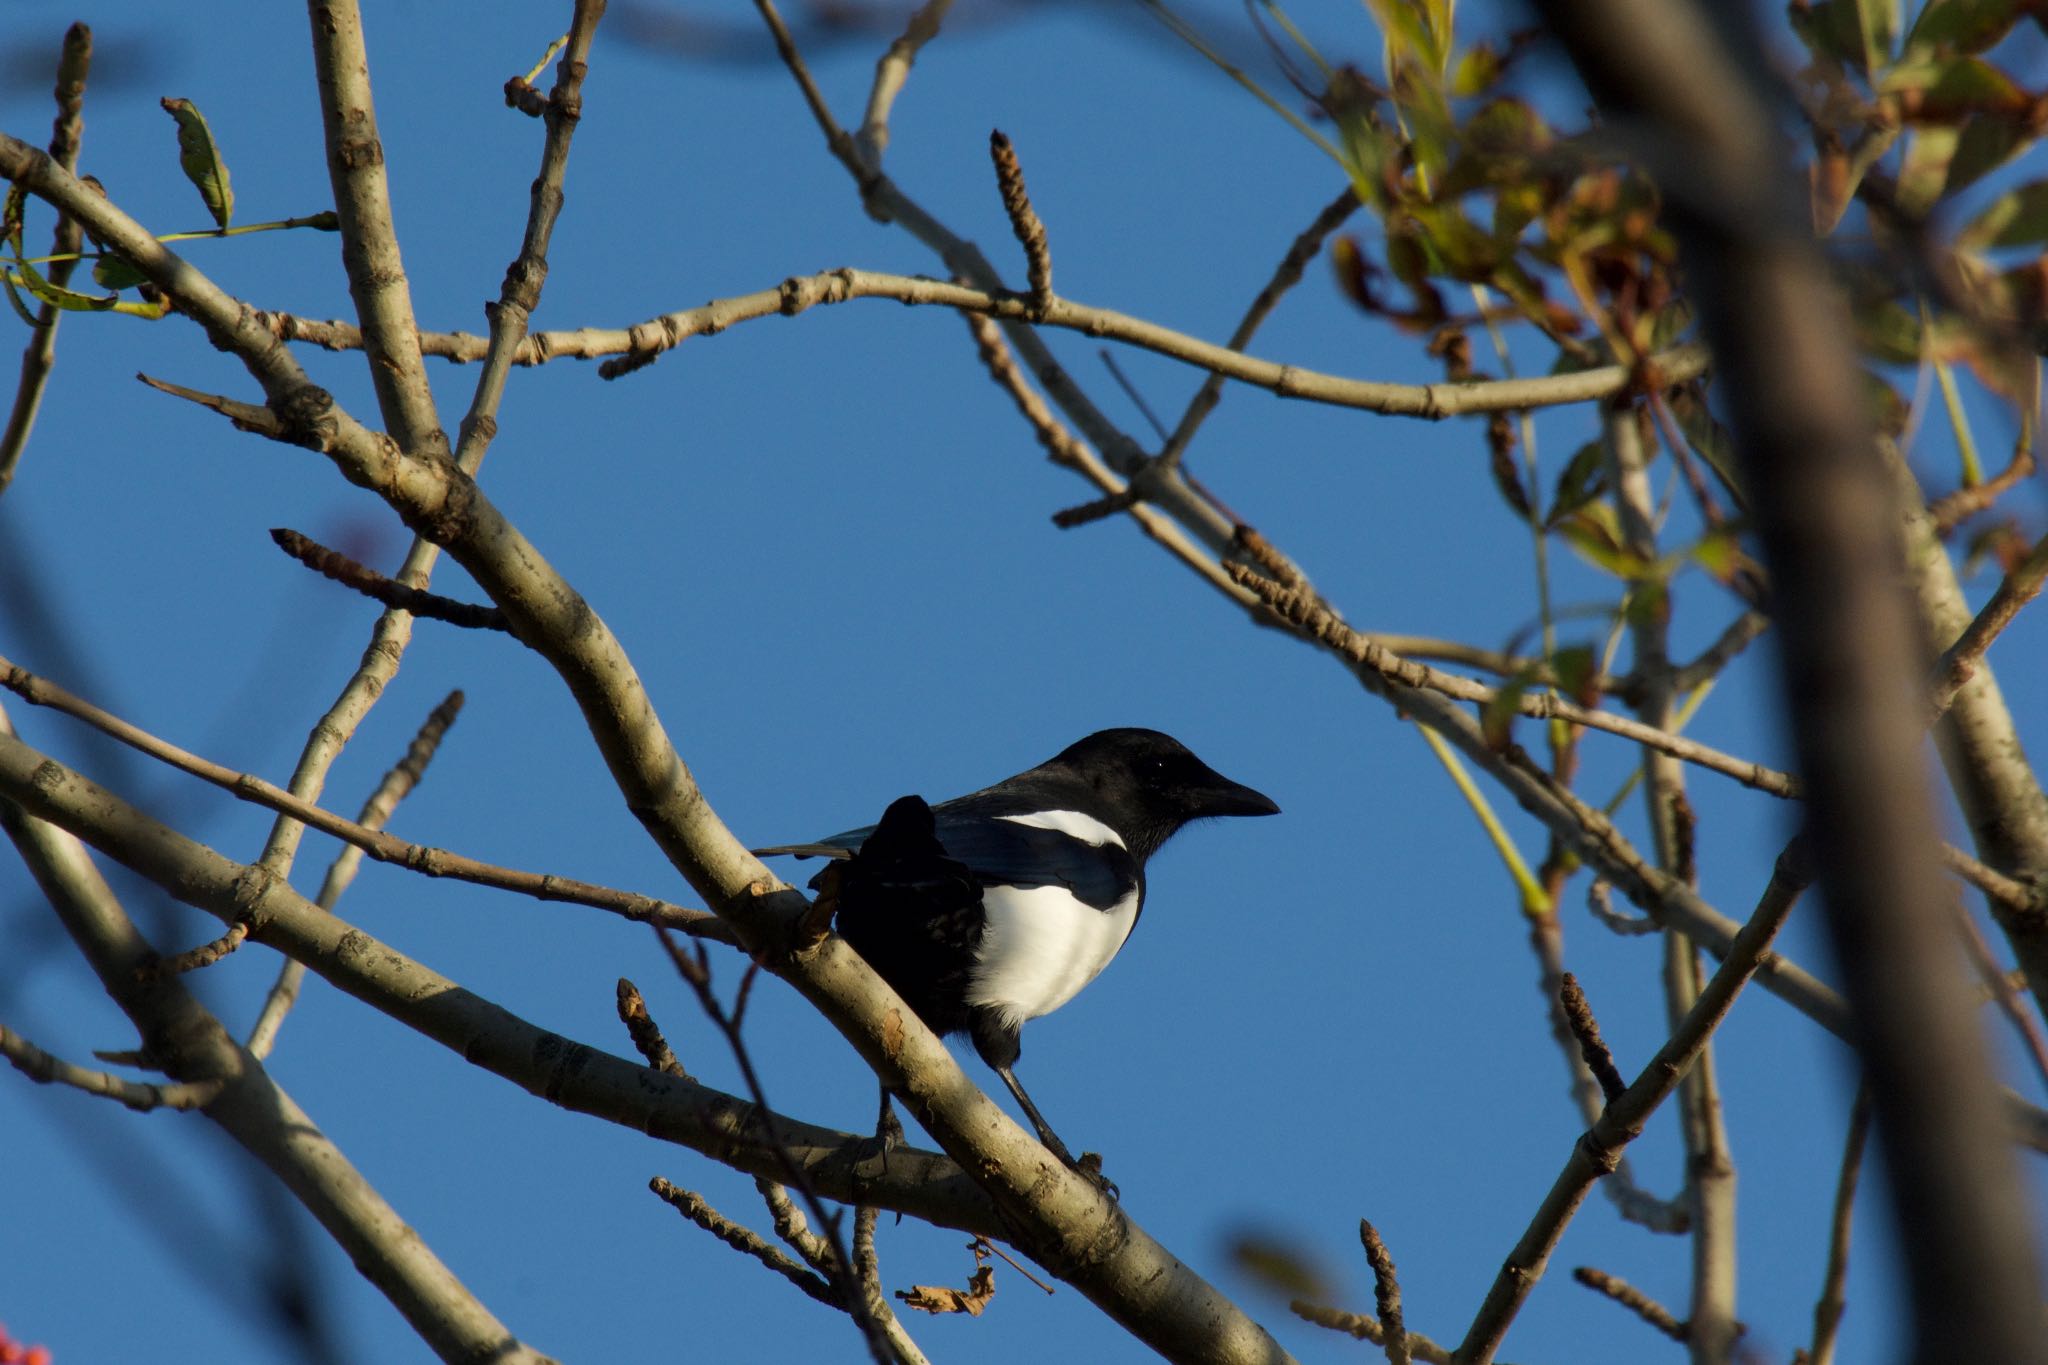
x=1086, y=828
x=1040, y=945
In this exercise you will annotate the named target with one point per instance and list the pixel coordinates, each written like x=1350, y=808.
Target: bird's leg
x=1088, y=1167
x=888, y=1136
x=996, y=1039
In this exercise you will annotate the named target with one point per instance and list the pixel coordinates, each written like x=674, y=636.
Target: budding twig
x=1024, y=220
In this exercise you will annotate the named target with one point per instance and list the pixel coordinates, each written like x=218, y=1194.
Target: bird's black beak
x=1224, y=797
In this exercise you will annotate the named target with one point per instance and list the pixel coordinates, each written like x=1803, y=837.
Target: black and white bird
x=996, y=907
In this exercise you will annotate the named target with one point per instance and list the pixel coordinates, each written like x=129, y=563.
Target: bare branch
x=1600, y=1147
x=192, y=959
x=73, y=63
x=1827, y=1312
x=890, y=74
x=181, y=1035
x=332, y=564
x=1366, y=1327
x=520, y=293
x=741, y=1239
x=386, y=848
x=1958, y=664
x=1285, y=276
x=38, y=1065
x=1633, y=1299
x=1065, y=448
x=404, y=775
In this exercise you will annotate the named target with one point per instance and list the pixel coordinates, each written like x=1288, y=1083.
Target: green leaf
x=199, y=157
x=1988, y=142
x=1925, y=170
x=1476, y=72
x=2017, y=218
x=1578, y=673
x=1832, y=32
x=1944, y=91
x=1583, y=479
x=1497, y=716
x=1709, y=440
x=1719, y=552
x=1648, y=603
x=116, y=273
x=1963, y=25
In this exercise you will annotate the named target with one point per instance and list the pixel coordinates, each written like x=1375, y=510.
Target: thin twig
x=1285, y=276
x=376, y=812
x=1732, y=641
x=1951, y=510
x=519, y=295
x=192, y=959
x=73, y=63
x=1958, y=664
x=1828, y=1309
x=1635, y=1300
x=1600, y=900
x=44, y=1067
x=386, y=848
x=1305, y=611
x=389, y=592
x=891, y=71
x=692, y=1206
x=826, y=1251
x=1595, y=1153
x=1063, y=447
x=2006, y=993
x=1366, y=1327
x=2009, y=893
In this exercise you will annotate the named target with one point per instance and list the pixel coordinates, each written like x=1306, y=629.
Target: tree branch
x=1597, y=1150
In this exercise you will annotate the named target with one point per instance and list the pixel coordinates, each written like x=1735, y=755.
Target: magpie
x=991, y=909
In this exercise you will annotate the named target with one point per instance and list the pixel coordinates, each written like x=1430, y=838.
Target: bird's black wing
x=911, y=911
x=1004, y=853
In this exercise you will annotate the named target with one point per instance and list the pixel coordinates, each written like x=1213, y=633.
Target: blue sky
x=826, y=543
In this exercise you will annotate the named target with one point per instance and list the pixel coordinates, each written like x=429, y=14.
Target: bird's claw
x=1089, y=1168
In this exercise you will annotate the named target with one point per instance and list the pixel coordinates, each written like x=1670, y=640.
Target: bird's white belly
x=1040, y=946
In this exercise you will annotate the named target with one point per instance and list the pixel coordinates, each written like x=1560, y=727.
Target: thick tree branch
x=724, y=1127
x=1825, y=510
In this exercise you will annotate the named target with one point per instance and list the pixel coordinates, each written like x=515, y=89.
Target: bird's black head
x=1151, y=785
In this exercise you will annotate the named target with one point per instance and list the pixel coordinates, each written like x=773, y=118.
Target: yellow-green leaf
x=1963, y=25
x=199, y=157
x=1595, y=533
